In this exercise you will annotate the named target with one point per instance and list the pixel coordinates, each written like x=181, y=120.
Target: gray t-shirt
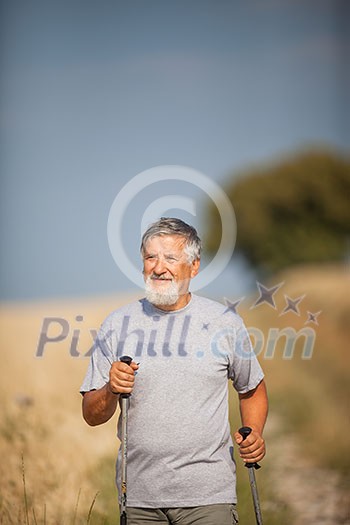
x=180, y=451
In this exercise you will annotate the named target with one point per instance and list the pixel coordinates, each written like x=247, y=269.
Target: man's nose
x=160, y=266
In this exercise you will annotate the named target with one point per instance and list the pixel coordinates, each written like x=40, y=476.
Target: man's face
x=167, y=272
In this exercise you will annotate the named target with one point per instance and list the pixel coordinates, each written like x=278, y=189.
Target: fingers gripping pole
x=124, y=399
x=245, y=431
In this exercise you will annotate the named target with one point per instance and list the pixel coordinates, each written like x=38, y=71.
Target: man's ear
x=195, y=267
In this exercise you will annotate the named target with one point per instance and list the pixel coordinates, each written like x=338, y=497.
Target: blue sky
x=93, y=93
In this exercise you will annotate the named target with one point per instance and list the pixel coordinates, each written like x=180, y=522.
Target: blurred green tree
x=294, y=211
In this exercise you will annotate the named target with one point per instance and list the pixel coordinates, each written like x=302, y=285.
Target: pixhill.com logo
x=58, y=330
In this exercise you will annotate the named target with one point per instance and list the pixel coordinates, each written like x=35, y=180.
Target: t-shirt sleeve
x=244, y=368
x=100, y=363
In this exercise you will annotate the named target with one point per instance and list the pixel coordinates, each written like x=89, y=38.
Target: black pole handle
x=127, y=360
x=245, y=431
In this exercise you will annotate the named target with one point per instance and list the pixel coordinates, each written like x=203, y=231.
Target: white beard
x=166, y=297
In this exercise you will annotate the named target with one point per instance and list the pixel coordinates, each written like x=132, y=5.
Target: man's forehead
x=168, y=241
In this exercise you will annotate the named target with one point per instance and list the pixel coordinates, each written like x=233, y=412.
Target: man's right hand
x=122, y=377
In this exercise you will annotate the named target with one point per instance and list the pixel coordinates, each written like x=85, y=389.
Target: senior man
x=181, y=468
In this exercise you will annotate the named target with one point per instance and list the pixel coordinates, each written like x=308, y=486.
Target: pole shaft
x=124, y=445
x=124, y=401
x=254, y=490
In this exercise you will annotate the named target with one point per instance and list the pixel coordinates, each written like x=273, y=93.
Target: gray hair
x=174, y=226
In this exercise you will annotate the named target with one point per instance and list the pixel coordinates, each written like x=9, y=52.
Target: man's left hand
x=252, y=448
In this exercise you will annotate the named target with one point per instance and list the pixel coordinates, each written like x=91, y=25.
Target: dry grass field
x=53, y=464
x=41, y=417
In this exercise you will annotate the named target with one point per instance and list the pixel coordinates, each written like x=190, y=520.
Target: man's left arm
x=253, y=408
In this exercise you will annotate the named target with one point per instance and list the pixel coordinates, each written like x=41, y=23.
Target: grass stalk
x=76, y=507
x=25, y=492
x=90, y=509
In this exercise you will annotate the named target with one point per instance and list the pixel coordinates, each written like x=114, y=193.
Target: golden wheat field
x=57, y=470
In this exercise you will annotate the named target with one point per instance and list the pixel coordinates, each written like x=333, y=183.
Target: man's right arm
x=100, y=405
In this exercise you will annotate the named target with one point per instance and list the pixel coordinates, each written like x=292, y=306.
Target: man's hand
x=252, y=449
x=122, y=377
x=100, y=405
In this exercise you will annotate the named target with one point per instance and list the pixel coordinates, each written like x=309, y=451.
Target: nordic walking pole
x=245, y=431
x=124, y=444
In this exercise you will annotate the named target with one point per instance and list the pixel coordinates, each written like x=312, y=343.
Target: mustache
x=160, y=277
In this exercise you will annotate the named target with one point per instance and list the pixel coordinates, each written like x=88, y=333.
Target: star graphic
x=292, y=304
x=266, y=295
x=312, y=318
x=232, y=307
x=205, y=326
